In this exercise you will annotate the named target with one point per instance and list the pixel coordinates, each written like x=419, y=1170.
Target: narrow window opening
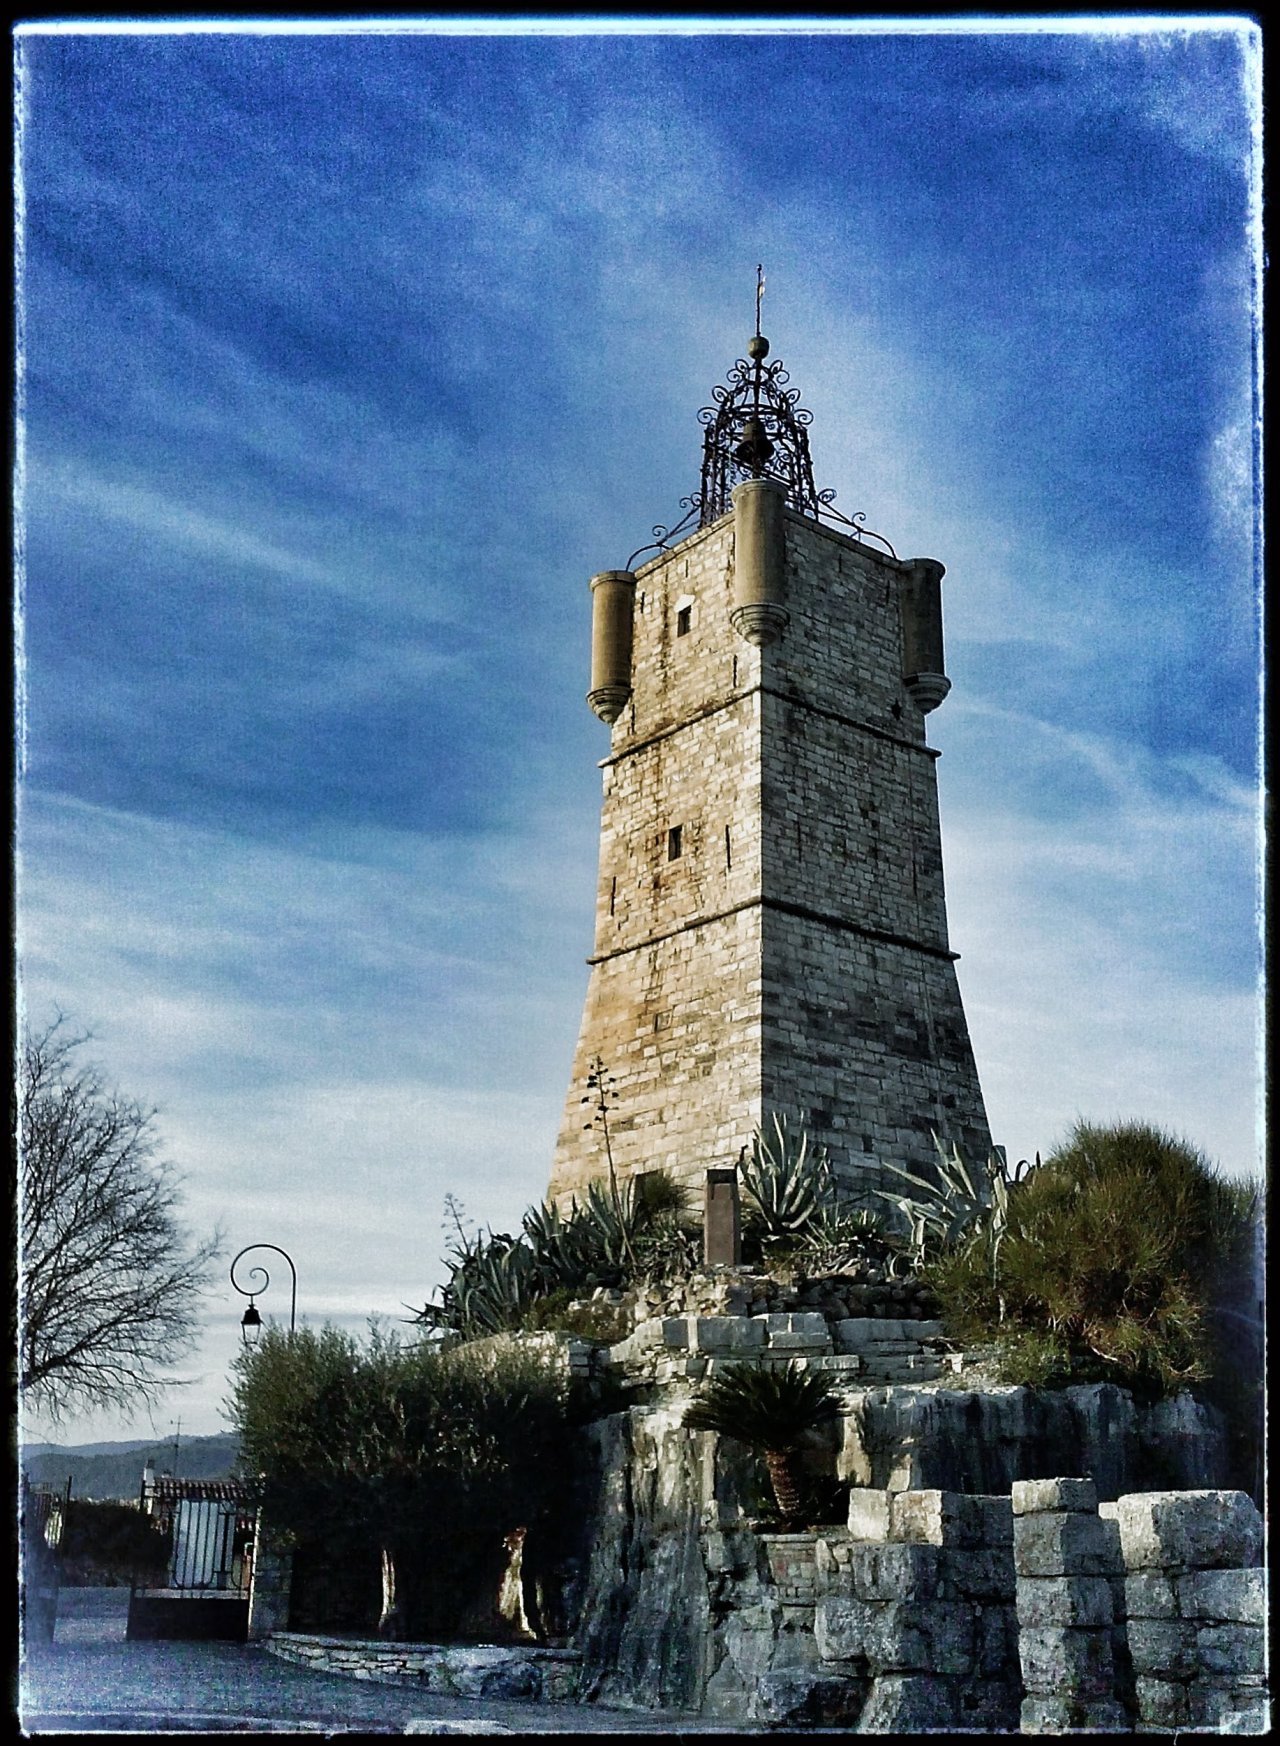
x=683, y=620
x=799, y=841
x=613, y=894
x=675, y=846
x=735, y=672
x=728, y=851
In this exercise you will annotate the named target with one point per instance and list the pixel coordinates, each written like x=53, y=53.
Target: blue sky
x=347, y=358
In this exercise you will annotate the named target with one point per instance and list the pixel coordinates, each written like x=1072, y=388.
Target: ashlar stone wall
x=770, y=918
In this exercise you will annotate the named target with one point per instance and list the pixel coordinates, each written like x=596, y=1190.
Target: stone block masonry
x=1196, y=1601
x=456, y=1670
x=1067, y=1560
x=770, y=920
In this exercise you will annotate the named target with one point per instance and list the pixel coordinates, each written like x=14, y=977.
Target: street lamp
x=251, y=1320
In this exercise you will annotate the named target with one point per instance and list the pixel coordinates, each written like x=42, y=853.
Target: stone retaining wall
x=479, y=1671
x=857, y=1348
x=1148, y=1612
x=916, y=1616
x=924, y=1613
x=931, y=1611
x=1069, y=1570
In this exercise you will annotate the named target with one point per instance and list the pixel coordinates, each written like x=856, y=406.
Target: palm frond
x=762, y=1406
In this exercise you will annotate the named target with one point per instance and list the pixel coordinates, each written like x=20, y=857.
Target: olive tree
x=426, y=1458
x=109, y=1280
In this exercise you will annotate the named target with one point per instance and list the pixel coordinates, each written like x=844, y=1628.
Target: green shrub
x=110, y=1543
x=1112, y=1255
x=562, y=1312
x=422, y=1457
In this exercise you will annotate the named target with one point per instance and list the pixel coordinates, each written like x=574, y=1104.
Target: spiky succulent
x=786, y=1180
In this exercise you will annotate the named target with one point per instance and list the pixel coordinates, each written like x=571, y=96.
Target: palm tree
x=769, y=1409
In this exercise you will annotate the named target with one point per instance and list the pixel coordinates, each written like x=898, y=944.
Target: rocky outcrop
x=646, y=1604
x=982, y=1440
x=903, y=1619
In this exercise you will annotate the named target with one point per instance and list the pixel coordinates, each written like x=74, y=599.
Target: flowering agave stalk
x=601, y=1093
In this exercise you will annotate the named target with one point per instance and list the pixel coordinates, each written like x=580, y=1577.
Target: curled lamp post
x=251, y=1321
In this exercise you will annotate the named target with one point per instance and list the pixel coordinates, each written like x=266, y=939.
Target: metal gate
x=210, y=1524
x=43, y=1517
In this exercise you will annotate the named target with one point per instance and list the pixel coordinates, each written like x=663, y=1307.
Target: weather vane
x=759, y=294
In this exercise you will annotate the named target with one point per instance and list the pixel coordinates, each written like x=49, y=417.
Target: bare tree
x=109, y=1281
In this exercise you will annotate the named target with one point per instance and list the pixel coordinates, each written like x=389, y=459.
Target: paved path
x=90, y=1680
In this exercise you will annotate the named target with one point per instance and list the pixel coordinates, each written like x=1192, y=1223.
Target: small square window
x=675, y=847
x=683, y=620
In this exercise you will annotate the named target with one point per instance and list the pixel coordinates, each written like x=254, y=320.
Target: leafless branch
x=109, y=1281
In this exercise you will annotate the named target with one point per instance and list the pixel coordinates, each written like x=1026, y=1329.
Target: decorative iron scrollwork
x=662, y=536
x=755, y=429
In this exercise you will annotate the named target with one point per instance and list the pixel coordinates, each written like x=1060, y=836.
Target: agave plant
x=495, y=1280
x=768, y=1409
x=839, y=1235
x=787, y=1182
x=563, y=1253
x=610, y=1223
x=492, y=1282
x=959, y=1206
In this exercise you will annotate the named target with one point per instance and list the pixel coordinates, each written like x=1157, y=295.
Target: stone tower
x=771, y=931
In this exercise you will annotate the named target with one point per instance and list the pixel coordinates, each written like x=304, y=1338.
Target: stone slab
x=1163, y=1648
x=869, y=1513
x=951, y=1518
x=909, y=1704
x=894, y=1572
x=1065, y=1600
x=723, y=1335
x=810, y=1322
x=1237, y=1596
x=1190, y=1530
x=797, y=1697
x=1061, y=1715
x=1231, y=1649
x=1030, y=1496
x=1064, y=1543
x=1056, y=1659
x=897, y=1636
x=1150, y=1594
x=1161, y=1702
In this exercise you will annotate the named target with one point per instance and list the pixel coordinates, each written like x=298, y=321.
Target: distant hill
x=120, y=1447
x=108, y=1471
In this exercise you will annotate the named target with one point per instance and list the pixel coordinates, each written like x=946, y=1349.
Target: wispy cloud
x=348, y=360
